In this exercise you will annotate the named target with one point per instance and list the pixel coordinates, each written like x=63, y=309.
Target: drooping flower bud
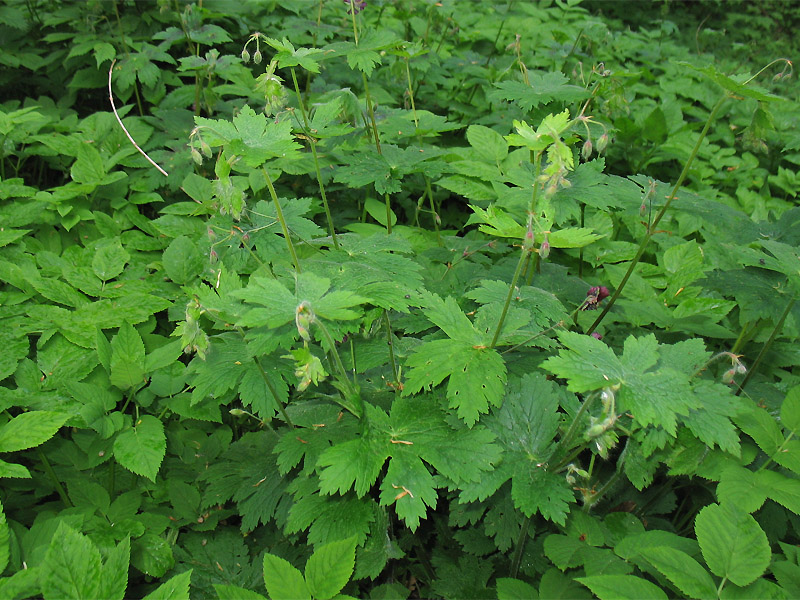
x=602, y=142
x=586, y=151
x=257, y=57
x=544, y=249
x=245, y=56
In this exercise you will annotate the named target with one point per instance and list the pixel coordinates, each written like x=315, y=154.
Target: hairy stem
x=282, y=221
x=661, y=213
x=312, y=142
x=767, y=345
x=516, y=560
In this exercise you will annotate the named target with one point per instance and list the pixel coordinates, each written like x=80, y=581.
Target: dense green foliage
x=423, y=300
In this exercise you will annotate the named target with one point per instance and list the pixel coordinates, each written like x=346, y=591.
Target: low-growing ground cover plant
x=399, y=299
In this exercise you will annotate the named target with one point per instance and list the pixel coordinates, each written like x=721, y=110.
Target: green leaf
x=355, y=463
x=234, y=592
x=477, y=375
x=89, y=167
x=283, y=581
x=488, y=144
x=622, y=587
x=72, y=566
x=30, y=429
x=114, y=577
x=182, y=260
x=682, y=570
x=330, y=567
x=410, y=487
x=127, y=358
x=175, y=588
x=572, y=237
x=734, y=84
x=514, y=589
x=536, y=490
x=761, y=426
x=741, y=487
x=141, y=448
x=790, y=410
x=733, y=544
x=543, y=89
x=109, y=259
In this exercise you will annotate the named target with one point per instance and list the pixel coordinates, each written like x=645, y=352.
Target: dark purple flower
x=357, y=5
x=598, y=292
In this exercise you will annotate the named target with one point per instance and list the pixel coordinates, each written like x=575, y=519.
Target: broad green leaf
x=761, y=426
x=448, y=316
x=783, y=489
x=330, y=567
x=544, y=88
x=114, y=577
x=790, y=410
x=734, y=84
x=682, y=570
x=183, y=260
x=377, y=210
x=514, y=589
x=30, y=429
x=175, y=588
x=622, y=587
x=89, y=167
x=109, y=259
x=141, y=448
x=733, y=544
x=72, y=566
x=535, y=489
x=488, y=144
x=410, y=487
x=477, y=375
x=234, y=592
x=572, y=237
x=127, y=358
x=22, y=584
x=152, y=555
x=741, y=487
x=358, y=462
x=283, y=581
x=13, y=470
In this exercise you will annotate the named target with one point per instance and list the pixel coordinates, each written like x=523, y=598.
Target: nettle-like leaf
x=476, y=373
x=543, y=89
x=250, y=136
x=255, y=485
x=414, y=436
x=654, y=396
x=141, y=449
x=375, y=266
x=526, y=427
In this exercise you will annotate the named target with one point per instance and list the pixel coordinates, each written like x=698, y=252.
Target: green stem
x=390, y=343
x=516, y=560
x=661, y=213
x=282, y=220
x=522, y=257
x=564, y=442
x=352, y=394
x=595, y=497
x=54, y=478
x=411, y=94
x=313, y=144
x=429, y=192
x=767, y=345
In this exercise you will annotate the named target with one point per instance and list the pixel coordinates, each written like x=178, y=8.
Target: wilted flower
x=355, y=5
x=594, y=296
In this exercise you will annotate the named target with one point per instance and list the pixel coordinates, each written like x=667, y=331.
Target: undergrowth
x=397, y=300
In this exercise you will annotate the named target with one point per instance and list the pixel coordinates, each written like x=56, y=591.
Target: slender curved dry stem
x=116, y=114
